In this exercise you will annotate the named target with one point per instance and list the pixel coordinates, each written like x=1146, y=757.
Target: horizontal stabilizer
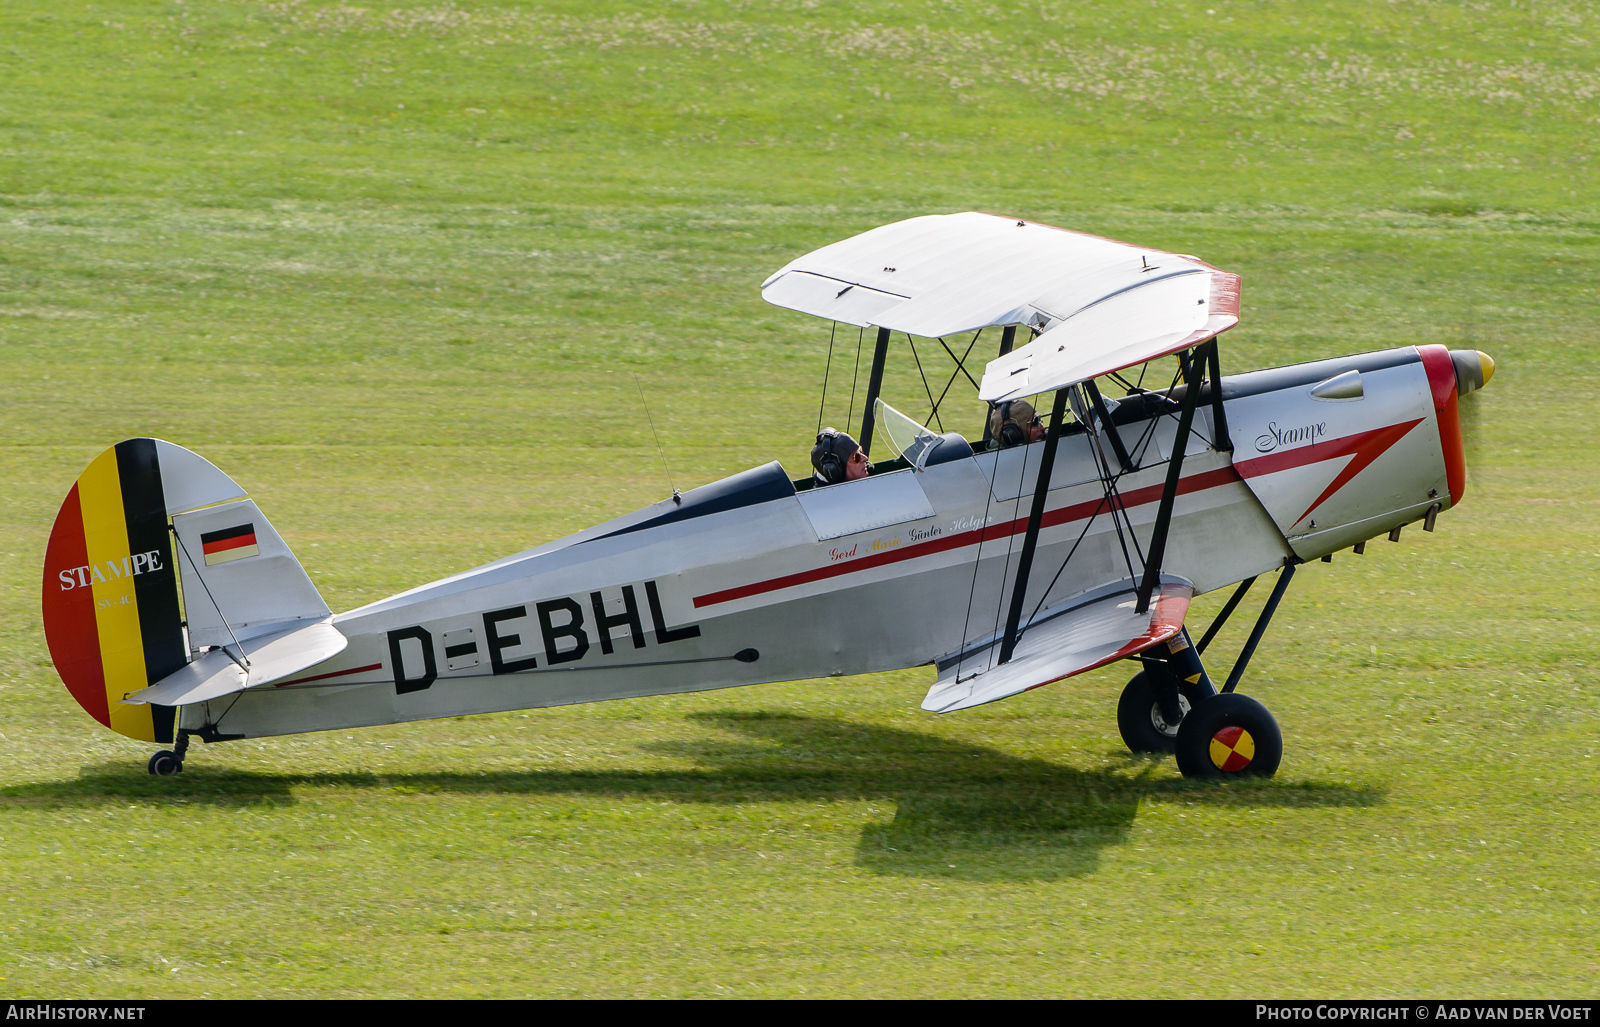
x=1080, y=634
x=269, y=658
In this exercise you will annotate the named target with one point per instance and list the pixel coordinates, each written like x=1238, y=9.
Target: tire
x=1229, y=736
x=1139, y=717
x=165, y=764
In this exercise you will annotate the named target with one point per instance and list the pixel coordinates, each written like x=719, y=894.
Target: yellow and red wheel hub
x=1232, y=749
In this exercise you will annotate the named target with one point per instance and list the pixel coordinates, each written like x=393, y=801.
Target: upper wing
x=1079, y=635
x=1172, y=309
x=1114, y=303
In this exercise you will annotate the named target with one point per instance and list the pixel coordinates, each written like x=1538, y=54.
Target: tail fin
x=111, y=579
x=240, y=579
x=111, y=608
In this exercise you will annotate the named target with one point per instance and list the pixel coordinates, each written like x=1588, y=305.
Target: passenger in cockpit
x=1014, y=423
x=837, y=458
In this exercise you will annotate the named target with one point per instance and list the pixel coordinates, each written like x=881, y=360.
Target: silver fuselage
x=749, y=580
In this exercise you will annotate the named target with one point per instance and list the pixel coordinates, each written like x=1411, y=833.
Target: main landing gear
x=1215, y=735
x=1172, y=706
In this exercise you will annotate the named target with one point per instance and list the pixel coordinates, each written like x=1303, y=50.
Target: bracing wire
x=961, y=364
x=218, y=722
x=663, y=453
x=862, y=334
x=1148, y=433
x=933, y=411
x=826, y=371
x=1145, y=438
x=1114, y=497
x=977, y=562
x=1127, y=518
x=1140, y=444
x=1011, y=534
x=961, y=367
x=1022, y=629
x=215, y=605
x=1110, y=500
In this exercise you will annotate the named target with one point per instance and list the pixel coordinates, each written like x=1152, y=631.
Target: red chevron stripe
x=1364, y=446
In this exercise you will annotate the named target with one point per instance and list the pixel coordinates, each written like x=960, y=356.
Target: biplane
x=174, y=610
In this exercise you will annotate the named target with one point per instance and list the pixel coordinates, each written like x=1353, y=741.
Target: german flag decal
x=229, y=544
x=111, y=613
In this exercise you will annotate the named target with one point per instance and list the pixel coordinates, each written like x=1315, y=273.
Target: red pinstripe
x=1062, y=515
x=1365, y=447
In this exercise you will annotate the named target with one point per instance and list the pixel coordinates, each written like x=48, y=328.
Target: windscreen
x=906, y=437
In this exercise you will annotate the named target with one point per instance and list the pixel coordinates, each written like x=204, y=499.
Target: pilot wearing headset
x=1015, y=422
x=837, y=458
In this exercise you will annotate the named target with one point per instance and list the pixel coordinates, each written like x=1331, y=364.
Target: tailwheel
x=165, y=763
x=1229, y=735
x=1144, y=726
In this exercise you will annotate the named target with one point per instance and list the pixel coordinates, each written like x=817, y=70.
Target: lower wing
x=1080, y=634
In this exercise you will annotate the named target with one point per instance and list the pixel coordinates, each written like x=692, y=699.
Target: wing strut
x=874, y=386
x=1180, y=445
x=1220, y=440
x=1115, y=436
x=1041, y=491
x=1008, y=338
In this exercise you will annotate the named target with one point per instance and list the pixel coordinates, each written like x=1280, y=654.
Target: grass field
x=395, y=266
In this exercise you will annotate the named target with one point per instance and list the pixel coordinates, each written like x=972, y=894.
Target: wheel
x=165, y=763
x=1229, y=735
x=1139, y=717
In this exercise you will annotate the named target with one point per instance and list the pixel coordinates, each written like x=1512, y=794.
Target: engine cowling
x=1340, y=451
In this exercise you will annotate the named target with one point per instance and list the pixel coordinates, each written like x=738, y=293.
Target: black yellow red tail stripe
x=111, y=611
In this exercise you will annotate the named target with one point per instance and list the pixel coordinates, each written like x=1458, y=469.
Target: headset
x=1010, y=434
x=830, y=466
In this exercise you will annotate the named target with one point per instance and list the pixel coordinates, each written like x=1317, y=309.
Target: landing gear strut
x=1145, y=713
x=1159, y=697
x=1172, y=706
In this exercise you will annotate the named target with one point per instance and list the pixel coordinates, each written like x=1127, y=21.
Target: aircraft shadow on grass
x=992, y=815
